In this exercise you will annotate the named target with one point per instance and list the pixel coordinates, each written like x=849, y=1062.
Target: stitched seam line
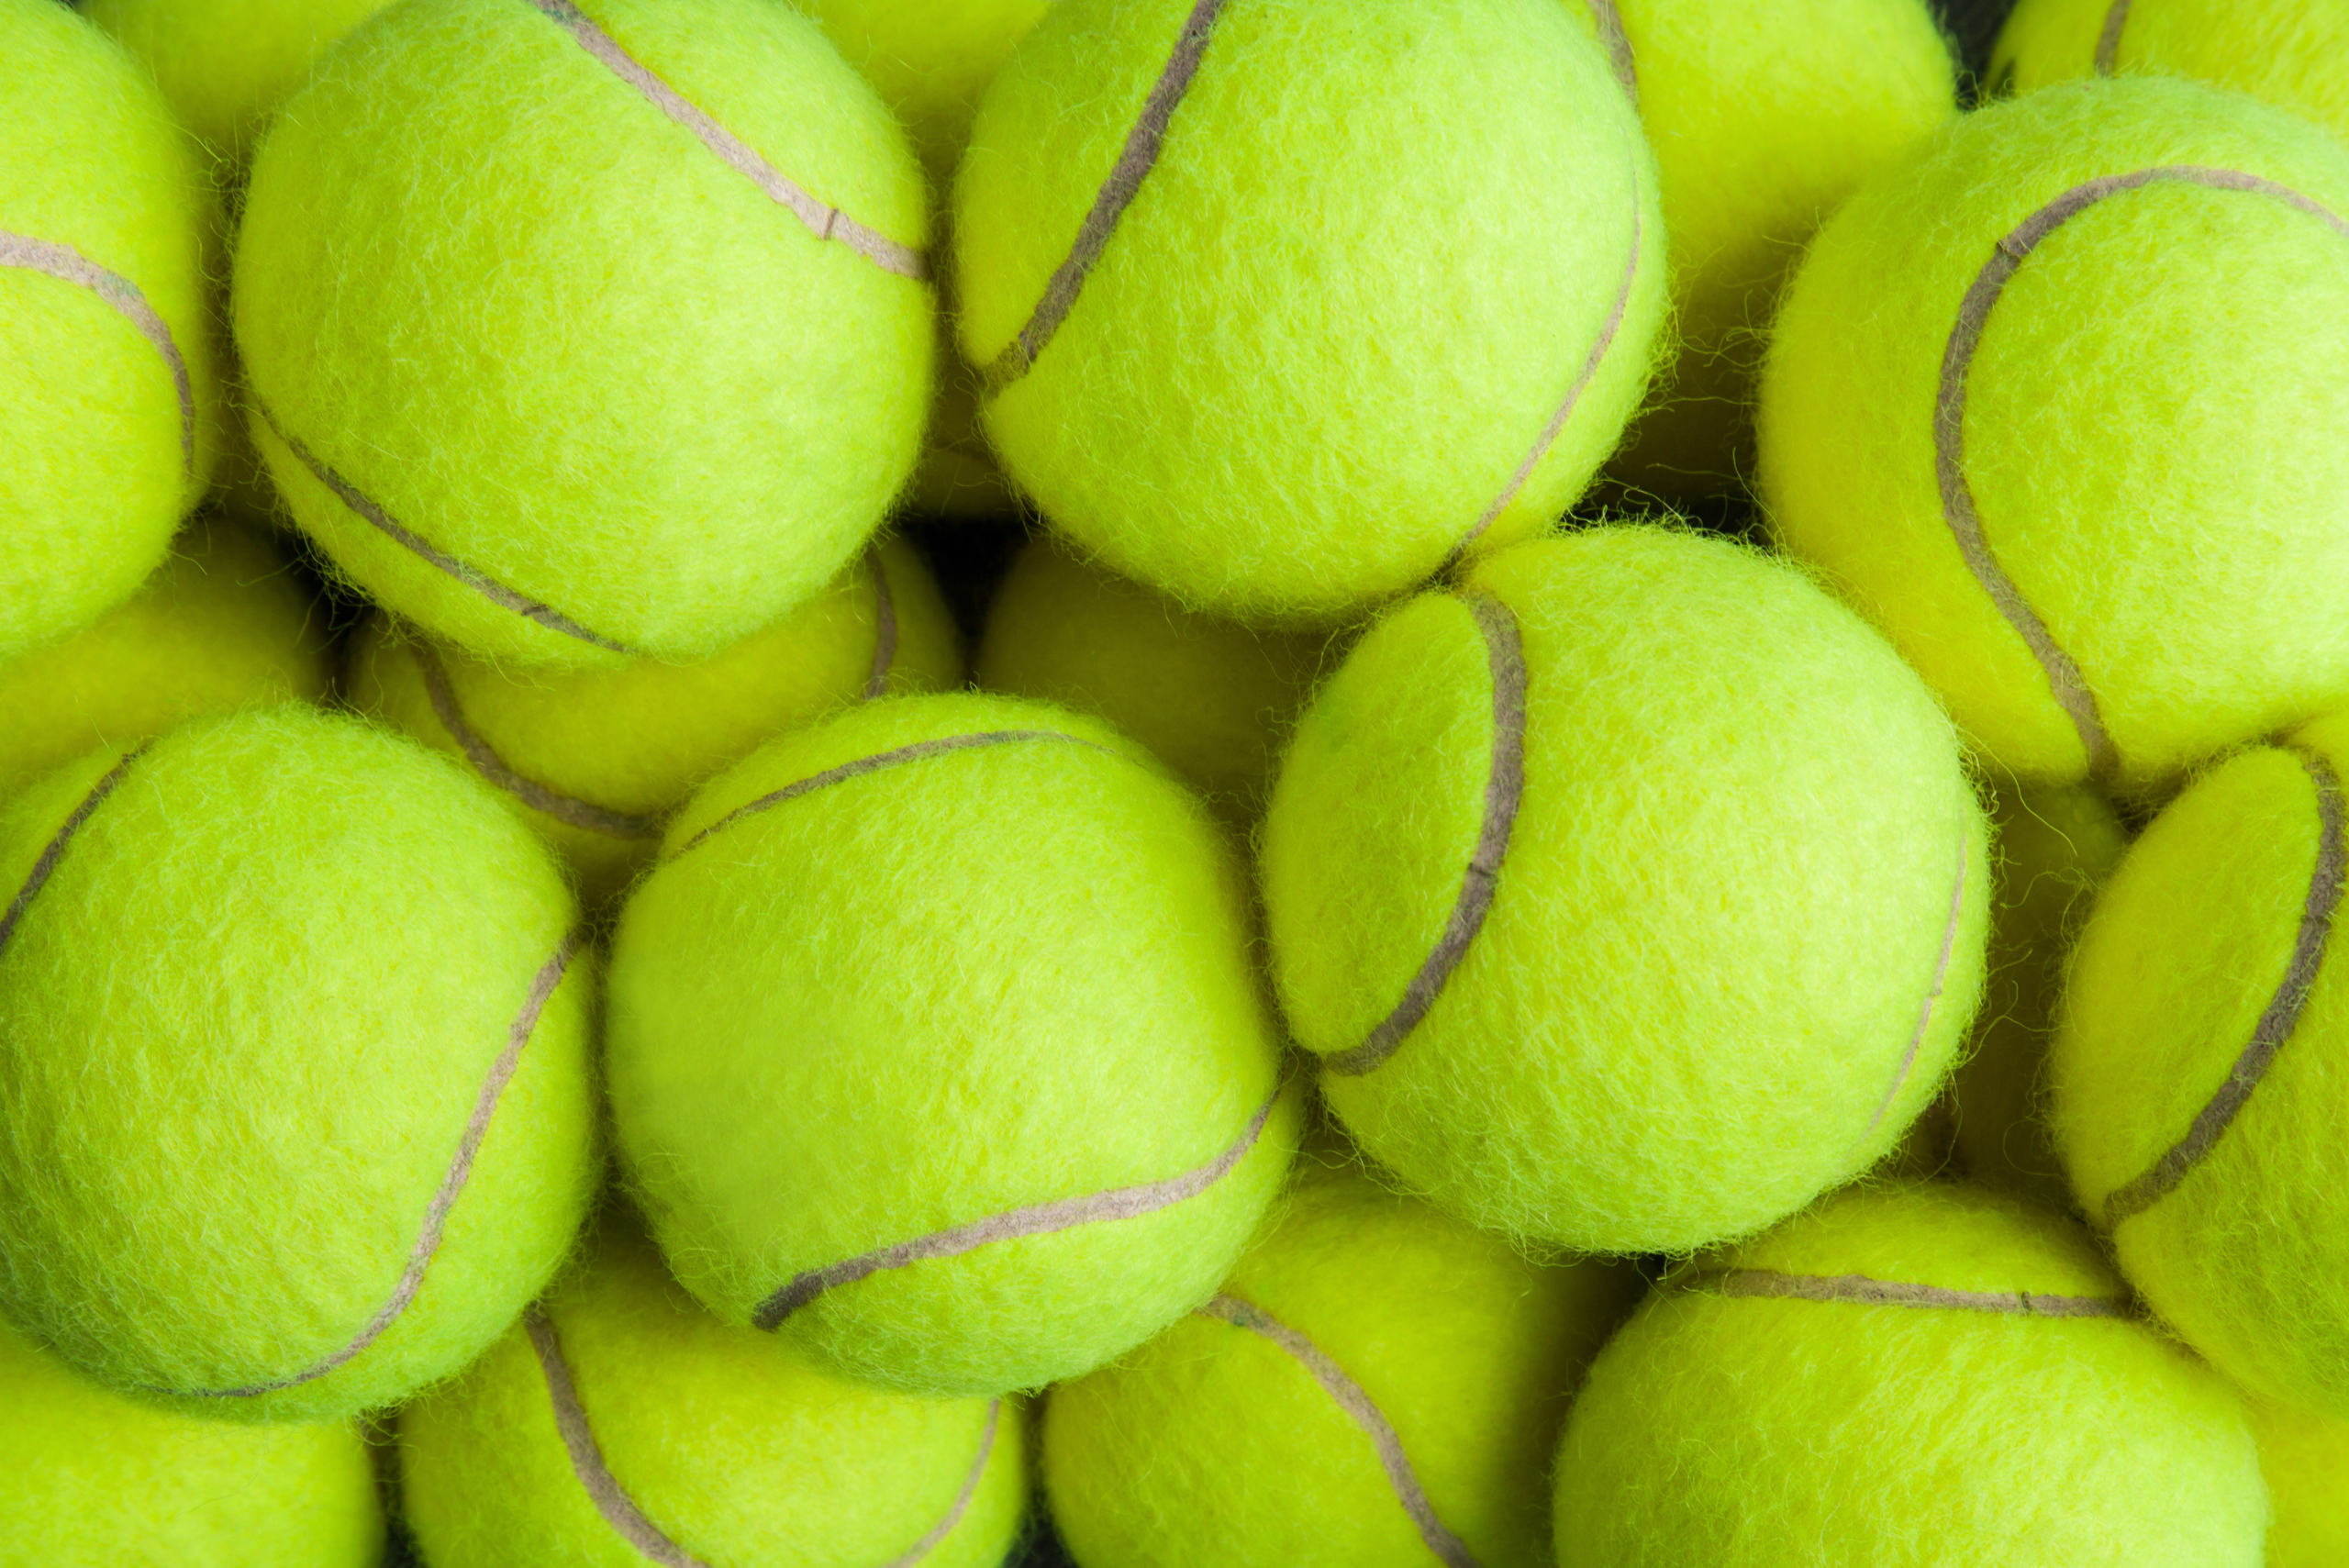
x=1932, y=993
x=581, y=814
x=603, y=1488
x=68, y=265
x=1859, y=1289
x=45, y=865
x=884, y=628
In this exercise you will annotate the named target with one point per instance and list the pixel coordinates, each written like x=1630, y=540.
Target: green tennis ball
x=1764, y=119
x=934, y=1045
x=2292, y=53
x=1630, y=894
x=1286, y=304
x=2201, y=1074
x=594, y=759
x=1212, y=698
x=619, y=1423
x=1403, y=1376
x=2304, y=1457
x=96, y=1480
x=1914, y=1374
x=2114, y=570
x=227, y=64
x=221, y=625
x=930, y=60
x=297, y=1103
x=644, y=371
x=108, y=396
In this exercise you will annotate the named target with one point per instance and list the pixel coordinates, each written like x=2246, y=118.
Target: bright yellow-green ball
x=227, y=64
x=1909, y=1377
x=930, y=60
x=618, y=1416
x=2305, y=1458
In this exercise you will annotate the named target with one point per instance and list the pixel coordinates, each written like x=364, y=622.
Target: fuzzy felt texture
x=925, y=995
x=1365, y=273
x=1464, y=1350
x=244, y=1025
x=221, y=625
x=735, y=1452
x=1750, y=1432
x=2155, y=427
x=227, y=64
x=622, y=749
x=99, y=1481
x=95, y=468
x=2057, y=845
x=2182, y=965
x=545, y=328
x=1737, y=934
x=1764, y=119
x=2306, y=1459
x=1213, y=699
x=930, y=60
x=2292, y=53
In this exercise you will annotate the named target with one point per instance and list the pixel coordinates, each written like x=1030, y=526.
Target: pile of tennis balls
x=1172, y=783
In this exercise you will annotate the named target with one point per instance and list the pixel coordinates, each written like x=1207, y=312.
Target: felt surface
x=2152, y=429
x=1753, y=1431
x=94, y=476
x=973, y=982
x=1465, y=1349
x=547, y=329
x=1737, y=934
x=2305, y=1458
x=227, y=64
x=245, y=1024
x=930, y=60
x=1369, y=262
x=735, y=1452
x=632, y=743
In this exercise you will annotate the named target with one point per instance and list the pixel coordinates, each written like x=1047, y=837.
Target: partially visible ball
x=2305, y=1457
x=930, y=60
x=227, y=64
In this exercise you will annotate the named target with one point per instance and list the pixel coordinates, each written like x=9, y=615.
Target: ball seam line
x=45, y=863
x=1617, y=44
x=480, y=582
x=1864, y=1291
x=1034, y=1219
x=1140, y=154
x=494, y=770
x=603, y=1488
x=824, y=222
x=895, y=757
x=452, y=1183
x=66, y=264
x=2108, y=38
x=2277, y=1020
x=1933, y=995
x=884, y=628
x=1480, y=879
x=2066, y=683
x=1360, y=1408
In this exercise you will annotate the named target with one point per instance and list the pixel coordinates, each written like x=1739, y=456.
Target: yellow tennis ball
x=1284, y=307
x=595, y=760
x=1403, y=1376
x=2292, y=53
x=1764, y=119
x=930, y=60
x=644, y=372
x=223, y=624
x=1212, y=698
x=2113, y=574
x=227, y=64
x=97, y=1479
x=1628, y=895
x=618, y=1422
x=933, y=1044
x=1908, y=1376
x=2201, y=1074
x=2304, y=1456
x=297, y=1103
x=108, y=394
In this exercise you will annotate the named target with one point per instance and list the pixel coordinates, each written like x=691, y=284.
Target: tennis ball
x=2062, y=403
x=1631, y=893
x=1918, y=1373
x=226, y=64
x=2057, y=844
x=1404, y=1376
x=1284, y=304
x=593, y=760
x=642, y=375
x=2292, y=53
x=1211, y=698
x=933, y=1044
x=930, y=60
x=221, y=625
x=109, y=396
x=2304, y=1457
x=2200, y=1076
x=100, y=1480
x=296, y=1104
x=1764, y=118
x=620, y=1423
